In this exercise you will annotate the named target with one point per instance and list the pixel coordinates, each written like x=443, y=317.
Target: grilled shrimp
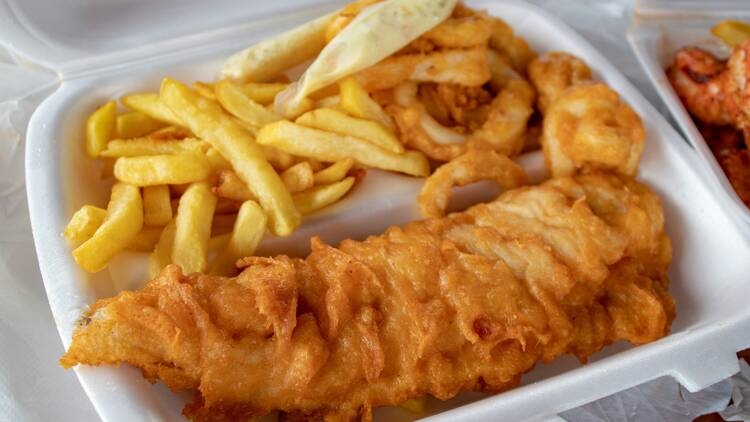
x=701, y=81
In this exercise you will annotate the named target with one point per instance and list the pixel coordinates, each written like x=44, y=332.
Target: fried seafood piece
x=738, y=85
x=589, y=126
x=466, y=67
x=473, y=166
x=502, y=130
x=702, y=83
x=554, y=72
x=467, y=301
x=511, y=46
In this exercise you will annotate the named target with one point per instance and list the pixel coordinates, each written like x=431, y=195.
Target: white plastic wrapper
x=34, y=387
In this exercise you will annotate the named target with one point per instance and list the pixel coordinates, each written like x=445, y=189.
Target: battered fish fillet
x=470, y=301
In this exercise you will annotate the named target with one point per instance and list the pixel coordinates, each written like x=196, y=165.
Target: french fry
x=335, y=121
x=298, y=177
x=263, y=93
x=123, y=222
x=149, y=104
x=157, y=210
x=171, y=133
x=162, y=254
x=321, y=196
x=216, y=161
x=146, y=239
x=327, y=146
x=148, y=146
x=329, y=102
x=193, y=228
x=732, y=32
x=218, y=243
x=227, y=206
x=208, y=121
x=205, y=89
x=233, y=98
x=84, y=223
x=153, y=170
x=357, y=102
x=230, y=186
x=222, y=224
x=334, y=172
x=100, y=128
x=269, y=59
x=177, y=190
x=247, y=233
x=280, y=160
x=136, y=124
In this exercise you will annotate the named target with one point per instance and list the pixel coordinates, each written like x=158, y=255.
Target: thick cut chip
x=100, y=128
x=157, y=210
x=263, y=93
x=338, y=122
x=162, y=254
x=247, y=233
x=193, y=228
x=205, y=89
x=356, y=101
x=149, y=146
x=123, y=222
x=327, y=146
x=84, y=223
x=334, y=172
x=146, y=239
x=149, y=104
x=322, y=196
x=162, y=169
x=136, y=124
x=230, y=186
x=206, y=119
x=233, y=98
x=732, y=32
x=298, y=177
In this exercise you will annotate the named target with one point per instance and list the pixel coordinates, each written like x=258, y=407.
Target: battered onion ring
x=473, y=166
x=590, y=127
x=554, y=72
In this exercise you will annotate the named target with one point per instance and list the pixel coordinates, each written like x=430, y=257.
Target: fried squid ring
x=554, y=72
x=473, y=166
x=590, y=127
x=503, y=131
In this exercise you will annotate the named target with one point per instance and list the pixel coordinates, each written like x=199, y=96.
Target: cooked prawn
x=701, y=82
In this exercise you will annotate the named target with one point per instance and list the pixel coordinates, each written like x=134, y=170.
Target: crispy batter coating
x=466, y=67
x=473, y=166
x=589, y=126
x=468, y=301
x=554, y=72
x=498, y=126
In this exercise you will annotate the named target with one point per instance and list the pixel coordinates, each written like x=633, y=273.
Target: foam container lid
x=104, y=49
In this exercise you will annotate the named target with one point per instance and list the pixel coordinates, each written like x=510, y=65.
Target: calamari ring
x=504, y=131
x=473, y=166
x=554, y=72
x=590, y=127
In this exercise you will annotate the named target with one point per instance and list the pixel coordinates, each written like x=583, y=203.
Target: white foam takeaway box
x=104, y=49
x=658, y=30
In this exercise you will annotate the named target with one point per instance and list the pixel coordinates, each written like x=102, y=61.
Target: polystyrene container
x=658, y=30
x=111, y=48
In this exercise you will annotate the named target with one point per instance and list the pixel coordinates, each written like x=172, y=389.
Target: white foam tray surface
x=709, y=274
